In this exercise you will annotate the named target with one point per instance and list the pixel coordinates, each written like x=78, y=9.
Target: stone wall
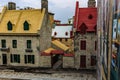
x=90, y=49
x=21, y=47
x=68, y=62
x=45, y=61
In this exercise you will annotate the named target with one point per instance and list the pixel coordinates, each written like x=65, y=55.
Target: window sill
x=28, y=50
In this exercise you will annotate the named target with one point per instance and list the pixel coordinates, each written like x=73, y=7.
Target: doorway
x=82, y=61
x=4, y=59
x=56, y=61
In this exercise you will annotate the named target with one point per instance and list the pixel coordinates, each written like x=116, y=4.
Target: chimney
x=91, y=3
x=44, y=4
x=11, y=6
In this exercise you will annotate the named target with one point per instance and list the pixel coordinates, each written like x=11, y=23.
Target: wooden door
x=4, y=59
x=82, y=61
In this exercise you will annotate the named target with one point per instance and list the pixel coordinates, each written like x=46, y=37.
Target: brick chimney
x=11, y=6
x=91, y=3
x=44, y=4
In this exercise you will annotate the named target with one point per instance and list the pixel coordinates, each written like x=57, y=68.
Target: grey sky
x=63, y=9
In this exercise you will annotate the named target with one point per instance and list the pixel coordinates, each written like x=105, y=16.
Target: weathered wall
x=21, y=46
x=45, y=61
x=90, y=49
x=68, y=62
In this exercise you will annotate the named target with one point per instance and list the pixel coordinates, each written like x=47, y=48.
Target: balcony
x=28, y=50
x=5, y=49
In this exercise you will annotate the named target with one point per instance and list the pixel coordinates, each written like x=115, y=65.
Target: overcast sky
x=63, y=9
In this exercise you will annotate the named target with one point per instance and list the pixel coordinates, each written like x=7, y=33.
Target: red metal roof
x=57, y=52
x=88, y=16
x=45, y=54
x=69, y=55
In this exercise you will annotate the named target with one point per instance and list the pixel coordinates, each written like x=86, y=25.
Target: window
x=14, y=43
x=3, y=42
x=29, y=44
x=55, y=33
x=15, y=58
x=66, y=33
x=9, y=26
x=29, y=59
x=26, y=25
x=93, y=60
x=90, y=16
x=83, y=45
x=83, y=28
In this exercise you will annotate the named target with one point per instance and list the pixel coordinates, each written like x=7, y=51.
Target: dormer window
x=55, y=33
x=83, y=28
x=90, y=16
x=9, y=26
x=26, y=25
x=66, y=33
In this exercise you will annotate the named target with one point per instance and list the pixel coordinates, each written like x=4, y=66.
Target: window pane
x=9, y=25
x=25, y=57
x=26, y=25
x=15, y=58
x=11, y=58
x=83, y=45
x=29, y=59
x=3, y=42
x=14, y=43
x=28, y=43
x=18, y=58
x=33, y=61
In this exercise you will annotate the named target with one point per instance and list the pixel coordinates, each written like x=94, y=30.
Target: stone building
x=85, y=41
x=24, y=34
x=63, y=33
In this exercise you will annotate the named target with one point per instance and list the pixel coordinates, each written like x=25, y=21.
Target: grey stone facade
x=68, y=62
x=90, y=39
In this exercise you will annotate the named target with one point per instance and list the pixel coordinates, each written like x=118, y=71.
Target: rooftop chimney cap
x=11, y=6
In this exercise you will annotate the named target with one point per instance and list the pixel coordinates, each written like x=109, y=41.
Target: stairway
x=57, y=64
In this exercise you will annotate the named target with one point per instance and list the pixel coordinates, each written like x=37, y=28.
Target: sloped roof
x=60, y=45
x=17, y=17
x=61, y=31
x=88, y=16
x=48, y=51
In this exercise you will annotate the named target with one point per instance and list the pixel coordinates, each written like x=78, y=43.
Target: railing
x=5, y=49
x=28, y=50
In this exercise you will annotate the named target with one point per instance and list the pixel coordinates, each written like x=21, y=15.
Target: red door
x=82, y=61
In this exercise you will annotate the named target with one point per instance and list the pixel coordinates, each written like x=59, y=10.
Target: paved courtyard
x=11, y=75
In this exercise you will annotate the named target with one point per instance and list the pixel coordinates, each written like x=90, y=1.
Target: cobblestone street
x=11, y=75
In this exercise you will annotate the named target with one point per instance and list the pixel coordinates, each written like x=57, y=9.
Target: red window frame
x=83, y=45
